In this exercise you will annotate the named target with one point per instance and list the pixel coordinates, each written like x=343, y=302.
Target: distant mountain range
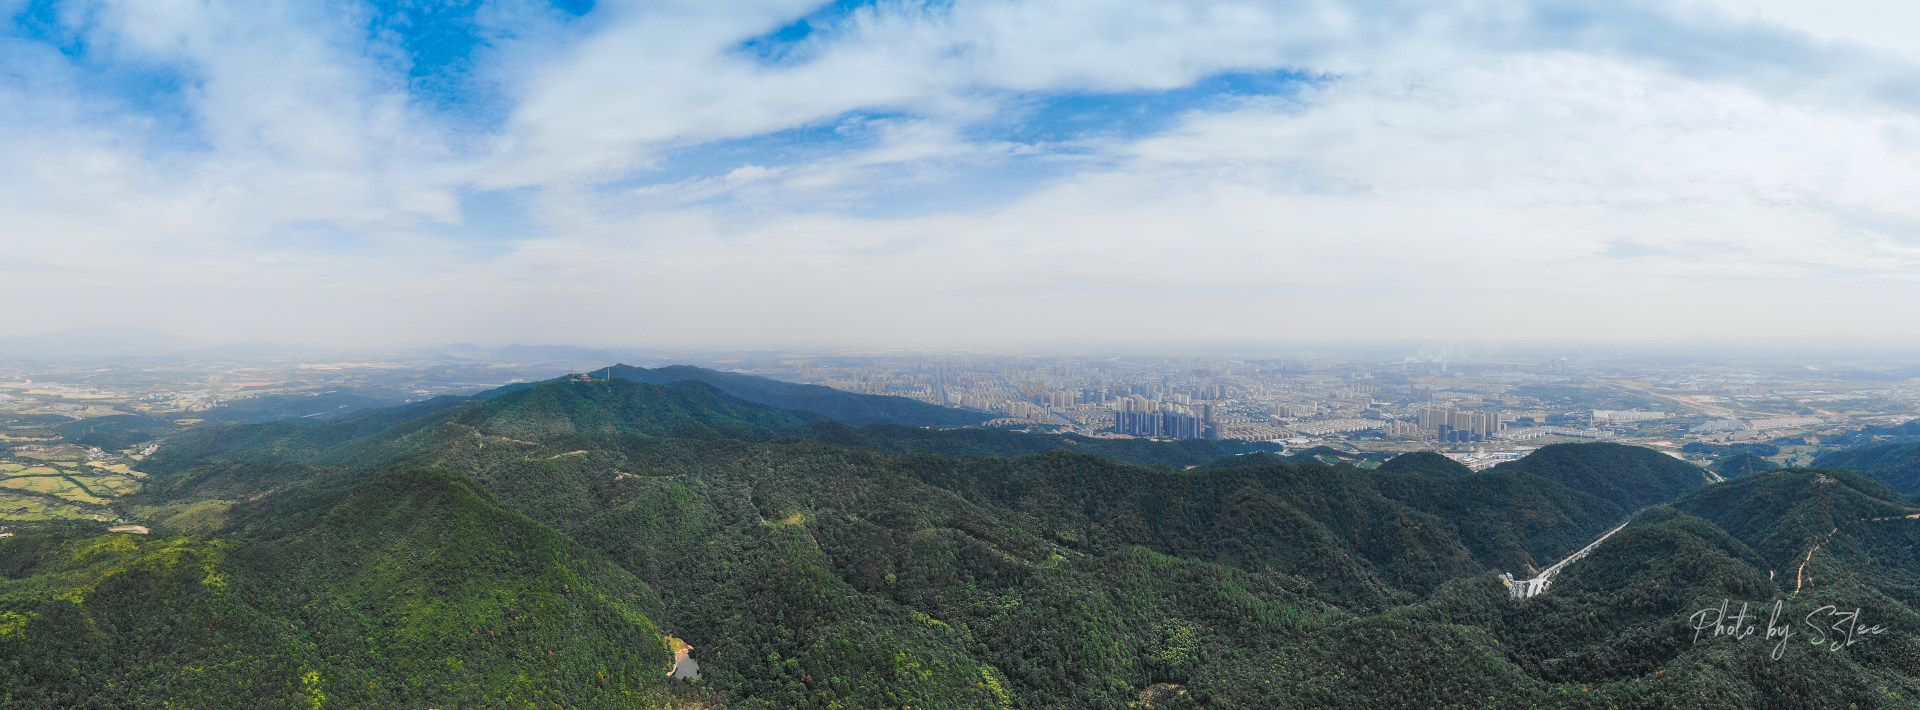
x=542, y=542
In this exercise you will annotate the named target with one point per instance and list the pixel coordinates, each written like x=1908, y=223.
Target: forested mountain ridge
x=815, y=565
x=407, y=589
x=1785, y=512
x=1425, y=463
x=623, y=408
x=620, y=407
x=1741, y=464
x=1184, y=514
x=1897, y=463
x=1629, y=475
x=849, y=407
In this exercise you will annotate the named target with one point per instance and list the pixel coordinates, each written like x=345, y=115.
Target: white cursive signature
x=1843, y=632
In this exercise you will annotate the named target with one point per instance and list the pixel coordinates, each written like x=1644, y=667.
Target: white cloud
x=1638, y=170
x=1888, y=25
x=1587, y=153
x=647, y=82
x=289, y=120
x=1551, y=194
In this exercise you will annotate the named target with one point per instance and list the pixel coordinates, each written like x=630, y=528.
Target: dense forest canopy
x=852, y=408
x=1897, y=463
x=538, y=547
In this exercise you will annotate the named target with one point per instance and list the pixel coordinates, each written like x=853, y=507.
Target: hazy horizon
x=107, y=344
x=991, y=174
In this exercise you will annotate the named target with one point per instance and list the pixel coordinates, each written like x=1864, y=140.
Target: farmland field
x=107, y=485
x=29, y=508
x=113, y=467
x=57, y=452
x=52, y=485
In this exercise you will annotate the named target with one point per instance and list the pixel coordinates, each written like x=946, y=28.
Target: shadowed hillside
x=1425, y=463
x=1741, y=464
x=847, y=407
x=1631, y=475
x=619, y=407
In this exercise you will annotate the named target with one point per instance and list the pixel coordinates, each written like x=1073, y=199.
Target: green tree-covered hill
x=1425, y=463
x=409, y=588
x=848, y=407
x=1630, y=475
x=1741, y=464
x=532, y=547
x=1895, y=462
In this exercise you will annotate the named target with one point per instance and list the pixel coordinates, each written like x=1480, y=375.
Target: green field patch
x=116, y=468
x=107, y=484
x=12, y=467
x=57, y=452
x=200, y=516
x=52, y=485
x=36, y=484
x=31, y=508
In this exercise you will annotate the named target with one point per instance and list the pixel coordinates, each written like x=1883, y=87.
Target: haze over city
x=786, y=172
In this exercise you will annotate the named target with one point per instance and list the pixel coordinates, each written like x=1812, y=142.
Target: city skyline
x=1480, y=411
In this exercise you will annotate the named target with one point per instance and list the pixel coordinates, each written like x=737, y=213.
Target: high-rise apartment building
x=1159, y=424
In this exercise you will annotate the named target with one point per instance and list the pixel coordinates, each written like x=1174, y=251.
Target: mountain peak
x=570, y=407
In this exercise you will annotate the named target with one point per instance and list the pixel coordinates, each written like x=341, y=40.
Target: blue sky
x=959, y=172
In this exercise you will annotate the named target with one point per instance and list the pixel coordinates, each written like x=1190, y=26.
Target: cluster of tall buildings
x=1435, y=398
x=1449, y=423
x=1234, y=399
x=1171, y=425
x=1137, y=403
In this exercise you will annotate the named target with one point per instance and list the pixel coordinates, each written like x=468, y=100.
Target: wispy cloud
x=986, y=171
